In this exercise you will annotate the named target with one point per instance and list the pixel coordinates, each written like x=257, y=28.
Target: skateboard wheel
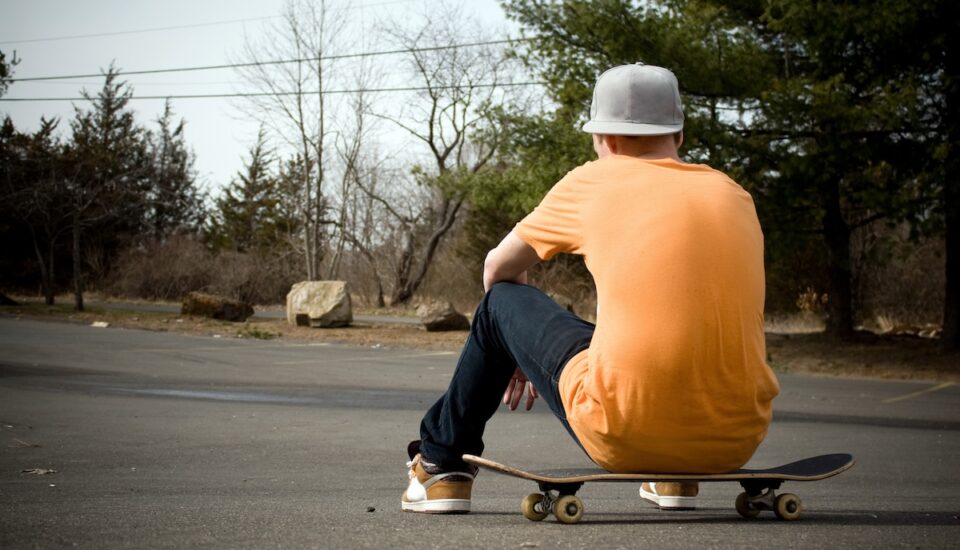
x=531, y=507
x=568, y=509
x=787, y=507
x=744, y=508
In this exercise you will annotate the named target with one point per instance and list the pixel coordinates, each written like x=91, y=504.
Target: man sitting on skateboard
x=673, y=376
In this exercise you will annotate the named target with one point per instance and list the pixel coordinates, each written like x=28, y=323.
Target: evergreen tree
x=6, y=71
x=250, y=215
x=289, y=193
x=108, y=178
x=842, y=124
x=940, y=61
x=35, y=217
x=816, y=107
x=174, y=202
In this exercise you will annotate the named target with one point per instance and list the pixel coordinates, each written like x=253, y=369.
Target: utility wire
x=274, y=94
x=138, y=31
x=273, y=62
x=175, y=27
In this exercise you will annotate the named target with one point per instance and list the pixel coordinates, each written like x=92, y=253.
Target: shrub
x=171, y=269
x=162, y=270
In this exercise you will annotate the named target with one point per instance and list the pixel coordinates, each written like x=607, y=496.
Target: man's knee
x=500, y=290
x=505, y=295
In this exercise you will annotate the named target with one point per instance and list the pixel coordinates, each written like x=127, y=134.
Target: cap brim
x=630, y=128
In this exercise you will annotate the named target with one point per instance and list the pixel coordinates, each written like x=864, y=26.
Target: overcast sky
x=52, y=39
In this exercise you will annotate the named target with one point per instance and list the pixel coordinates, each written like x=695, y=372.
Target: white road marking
x=919, y=393
x=370, y=358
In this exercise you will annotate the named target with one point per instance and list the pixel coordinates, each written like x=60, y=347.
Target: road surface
x=164, y=440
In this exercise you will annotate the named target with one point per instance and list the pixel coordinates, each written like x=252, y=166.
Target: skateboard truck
x=565, y=505
x=761, y=495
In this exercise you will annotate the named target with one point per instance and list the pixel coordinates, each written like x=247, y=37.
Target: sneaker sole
x=444, y=506
x=670, y=503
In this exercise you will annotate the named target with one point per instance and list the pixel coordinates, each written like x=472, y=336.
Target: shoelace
x=435, y=477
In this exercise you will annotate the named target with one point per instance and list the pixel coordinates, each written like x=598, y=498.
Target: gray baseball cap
x=636, y=100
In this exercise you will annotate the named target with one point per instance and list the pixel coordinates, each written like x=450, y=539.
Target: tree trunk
x=950, y=338
x=402, y=294
x=381, y=303
x=46, y=270
x=401, y=288
x=376, y=274
x=50, y=289
x=77, y=275
x=840, y=296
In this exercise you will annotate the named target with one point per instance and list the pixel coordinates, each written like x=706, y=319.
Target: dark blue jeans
x=514, y=326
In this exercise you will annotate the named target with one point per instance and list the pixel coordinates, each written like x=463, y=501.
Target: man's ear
x=613, y=143
x=678, y=138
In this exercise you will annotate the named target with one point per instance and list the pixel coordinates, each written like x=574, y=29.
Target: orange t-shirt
x=675, y=378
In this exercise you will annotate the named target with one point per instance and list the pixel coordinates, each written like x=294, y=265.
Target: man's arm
x=509, y=261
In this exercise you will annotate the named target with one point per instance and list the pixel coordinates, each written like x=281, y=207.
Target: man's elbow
x=497, y=268
x=508, y=262
x=491, y=270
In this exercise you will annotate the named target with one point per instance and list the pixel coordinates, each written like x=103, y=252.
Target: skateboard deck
x=558, y=486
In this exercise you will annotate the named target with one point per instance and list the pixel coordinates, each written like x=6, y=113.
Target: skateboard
x=558, y=487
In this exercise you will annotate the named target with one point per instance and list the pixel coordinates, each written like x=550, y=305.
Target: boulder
x=438, y=316
x=319, y=304
x=215, y=307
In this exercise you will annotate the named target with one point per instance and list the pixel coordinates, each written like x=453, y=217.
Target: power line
x=141, y=84
x=274, y=62
x=273, y=94
x=138, y=31
x=176, y=27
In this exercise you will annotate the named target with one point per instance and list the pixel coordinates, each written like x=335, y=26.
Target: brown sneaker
x=436, y=493
x=671, y=495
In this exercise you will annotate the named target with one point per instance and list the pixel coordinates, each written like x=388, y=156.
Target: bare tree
x=355, y=166
x=367, y=224
x=452, y=118
x=296, y=107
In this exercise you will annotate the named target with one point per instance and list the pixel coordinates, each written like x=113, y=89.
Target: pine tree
x=174, y=201
x=816, y=107
x=108, y=177
x=33, y=186
x=249, y=212
x=6, y=71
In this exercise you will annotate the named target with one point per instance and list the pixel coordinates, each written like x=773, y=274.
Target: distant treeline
x=839, y=118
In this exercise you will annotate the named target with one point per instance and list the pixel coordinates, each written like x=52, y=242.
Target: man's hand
x=514, y=392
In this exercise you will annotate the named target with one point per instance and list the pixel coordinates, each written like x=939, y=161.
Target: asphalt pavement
x=113, y=438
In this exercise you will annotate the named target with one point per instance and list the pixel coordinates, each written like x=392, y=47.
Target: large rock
x=438, y=316
x=319, y=304
x=215, y=307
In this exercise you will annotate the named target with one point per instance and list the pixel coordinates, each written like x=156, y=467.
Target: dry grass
x=799, y=350
x=386, y=335
x=800, y=323
x=870, y=355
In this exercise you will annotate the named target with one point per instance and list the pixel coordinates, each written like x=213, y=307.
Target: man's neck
x=648, y=148
x=654, y=155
